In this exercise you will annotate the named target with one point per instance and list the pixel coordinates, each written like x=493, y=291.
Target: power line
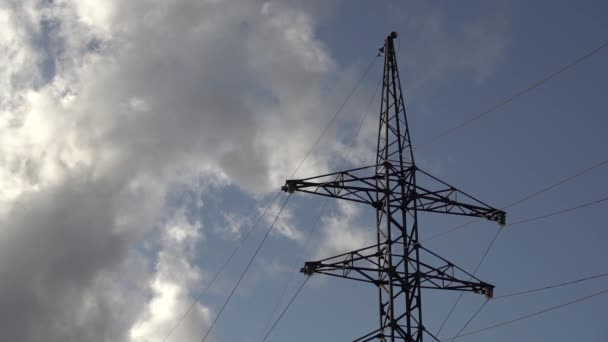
x=533, y=86
x=483, y=257
x=223, y=266
x=519, y=222
x=352, y=92
x=219, y=314
x=333, y=119
x=526, y=292
x=529, y=315
x=485, y=254
x=219, y=271
x=471, y=319
x=559, y=212
x=284, y=292
x=518, y=94
x=550, y=187
x=531, y=195
x=491, y=109
x=284, y=203
x=285, y=309
x=369, y=105
x=487, y=111
x=323, y=208
x=551, y=286
x=525, y=198
x=389, y=270
x=529, y=291
x=276, y=306
x=486, y=302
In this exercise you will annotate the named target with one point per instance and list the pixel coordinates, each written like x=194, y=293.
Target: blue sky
x=141, y=140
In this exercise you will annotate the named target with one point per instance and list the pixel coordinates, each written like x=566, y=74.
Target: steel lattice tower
x=397, y=263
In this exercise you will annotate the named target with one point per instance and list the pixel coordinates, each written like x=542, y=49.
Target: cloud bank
x=104, y=105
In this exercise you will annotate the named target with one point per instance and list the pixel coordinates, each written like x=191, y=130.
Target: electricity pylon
x=397, y=263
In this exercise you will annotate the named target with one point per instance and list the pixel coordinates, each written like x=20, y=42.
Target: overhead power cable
x=563, y=211
x=519, y=93
x=542, y=190
x=518, y=222
x=519, y=293
x=483, y=257
x=284, y=203
x=365, y=115
x=525, y=198
x=321, y=211
x=487, y=250
x=263, y=336
x=285, y=309
x=233, y=253
x=537, y=313
x=552, y=186
x=219, y=271
x=333, y=118
x=533, y=86
x=470, y=319
x=219, y=314
x=491, y=109
x=534, y=194
x=525, y=292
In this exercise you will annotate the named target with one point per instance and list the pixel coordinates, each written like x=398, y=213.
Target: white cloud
x=284, y=225
x=234, y=225
x=103, y=106
x=342, y=231
x=174, y=275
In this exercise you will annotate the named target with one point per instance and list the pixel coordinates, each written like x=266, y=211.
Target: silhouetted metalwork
x=397, y=263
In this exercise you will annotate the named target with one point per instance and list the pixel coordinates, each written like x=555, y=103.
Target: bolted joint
x=502, y=218
x=488, y=291
x=377, y=204
x=309, y=267
x=498, y=216
x=289, y=186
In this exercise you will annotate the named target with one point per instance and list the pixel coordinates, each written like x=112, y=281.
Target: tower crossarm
x=363, y=265
x=436, y=196
x=357, y=185
x=439, y=273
